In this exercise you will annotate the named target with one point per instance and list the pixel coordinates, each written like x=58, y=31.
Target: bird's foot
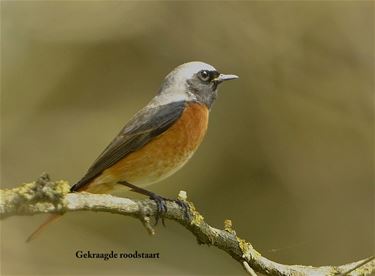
x=185, y=207
x=161, y=207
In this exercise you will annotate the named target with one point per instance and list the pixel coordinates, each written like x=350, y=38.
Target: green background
x=289, y=155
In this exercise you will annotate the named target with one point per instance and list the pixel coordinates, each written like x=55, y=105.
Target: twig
x=46, y=196
x=249, y=269
x=361, y=264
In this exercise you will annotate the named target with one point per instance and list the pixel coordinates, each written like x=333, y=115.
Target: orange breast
x=161, y=157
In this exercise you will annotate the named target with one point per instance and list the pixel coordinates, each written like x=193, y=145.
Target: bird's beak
x=223, y=77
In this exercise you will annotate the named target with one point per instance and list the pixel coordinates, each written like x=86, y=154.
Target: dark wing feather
x=145, y=125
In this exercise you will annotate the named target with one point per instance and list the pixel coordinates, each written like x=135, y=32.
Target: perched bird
x=159, y=139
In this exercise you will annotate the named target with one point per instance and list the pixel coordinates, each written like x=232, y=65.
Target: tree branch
x=46, y=196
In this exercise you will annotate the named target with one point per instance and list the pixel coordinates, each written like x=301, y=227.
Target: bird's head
x=194, y=81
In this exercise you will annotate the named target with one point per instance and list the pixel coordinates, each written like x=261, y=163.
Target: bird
x=159, y=139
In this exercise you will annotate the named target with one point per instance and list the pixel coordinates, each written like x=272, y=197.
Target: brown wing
x=145, y=125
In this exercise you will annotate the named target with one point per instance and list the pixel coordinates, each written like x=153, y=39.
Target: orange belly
x=161, y=157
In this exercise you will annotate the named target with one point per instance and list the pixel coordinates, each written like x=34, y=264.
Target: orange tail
x=36, y=233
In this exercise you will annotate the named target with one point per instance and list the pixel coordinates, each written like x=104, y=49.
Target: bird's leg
x=161, y=207
x=159, y=200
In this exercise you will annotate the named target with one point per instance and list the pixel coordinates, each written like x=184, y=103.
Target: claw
x=161, y=208
x=185, y=208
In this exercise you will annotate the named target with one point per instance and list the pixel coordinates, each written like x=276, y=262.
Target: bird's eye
x=204, y=75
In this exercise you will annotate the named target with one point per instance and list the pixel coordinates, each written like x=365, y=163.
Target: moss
x=197, y=218
x=182, y=195
x=55, y=190
x=229, y=227
x=42, y=189
x=247, y=249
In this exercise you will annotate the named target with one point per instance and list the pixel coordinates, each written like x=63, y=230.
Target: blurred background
x=289, y=155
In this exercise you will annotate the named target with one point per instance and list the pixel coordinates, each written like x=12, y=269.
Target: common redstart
x=159, y=139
